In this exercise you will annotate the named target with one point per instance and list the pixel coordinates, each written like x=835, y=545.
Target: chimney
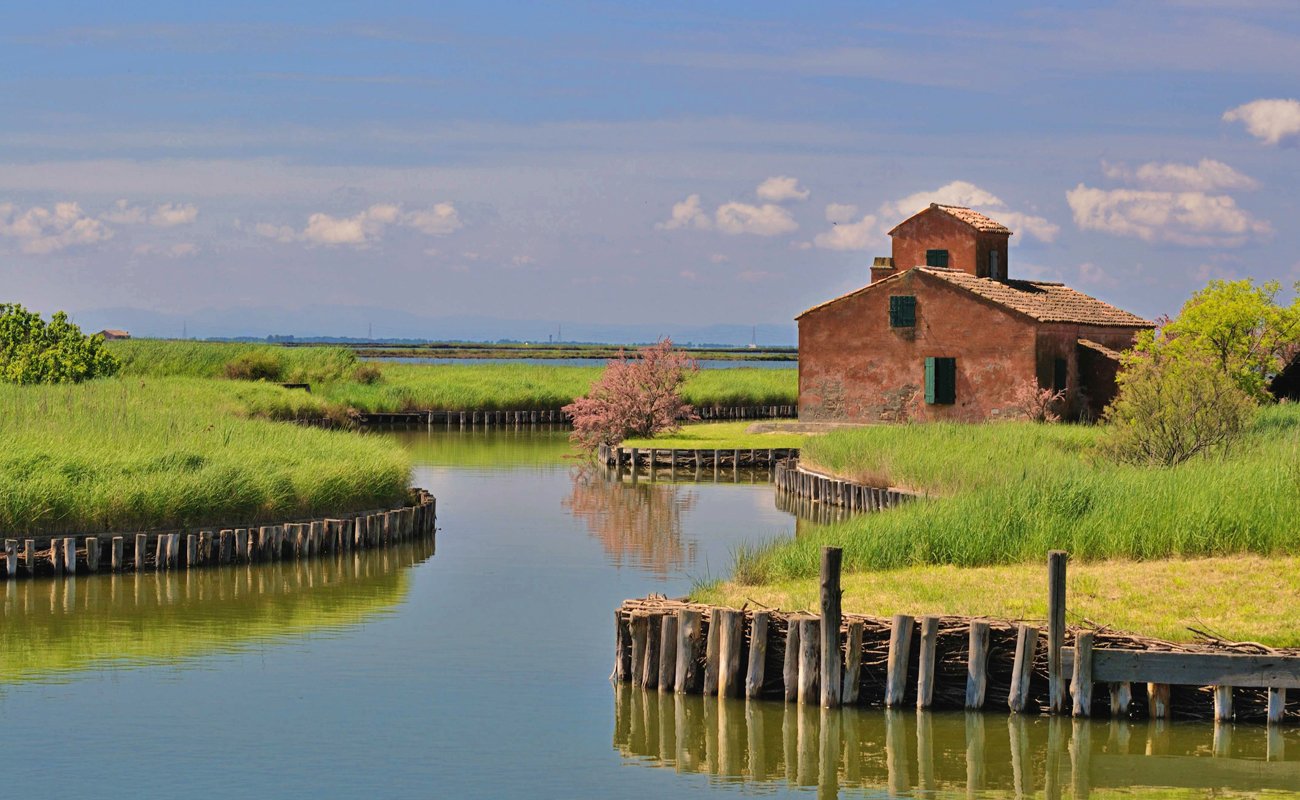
x=882, y=268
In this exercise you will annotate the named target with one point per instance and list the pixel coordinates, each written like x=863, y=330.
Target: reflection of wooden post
x=974, y=754
x=1022, y=668
x=1080, y=758
x=925, y=753
x=925, y=665
x=897, y=779
x=754, y=673
x=977, y=654
x=1018, y=736
x=830, y=627
x=1055, y=629
x=1081, y=685
x=900, y=646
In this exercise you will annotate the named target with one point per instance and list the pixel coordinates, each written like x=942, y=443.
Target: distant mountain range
x=376, y=324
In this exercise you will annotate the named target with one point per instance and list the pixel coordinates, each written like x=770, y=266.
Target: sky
x=527, y=169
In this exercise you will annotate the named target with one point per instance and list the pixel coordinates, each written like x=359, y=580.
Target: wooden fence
x=794, y=480
x=549, y=416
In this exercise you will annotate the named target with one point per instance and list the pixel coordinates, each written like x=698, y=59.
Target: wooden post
x=141, y=546
x=29, y=555
x=926, y=662
x=650, y=673
x=830, y=627
x=622, y=648
x=1276, y=705
x=639, y=624
x=92, y=553
x=1022, y=669
x=119, y=551
x=757, y=668
x=668, y=653
x=11, y=557
x=226, y=545
x=1158, y=701
x=731, y=640
x=711, y=652
x=809, y=644
x=191, y=550
x=70, y=555
x=1081, y=683
x=1055, y=629
x=690, y=651
x=977, y=655
x=900, y=647
x=790, y=667
x=1223, y=704
x=55, y=562
x=852, y=663
x=1121, y=694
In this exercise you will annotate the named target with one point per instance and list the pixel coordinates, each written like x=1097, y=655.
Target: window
x=993, y=266
x=1060, y=372
x=936, y=258
x=941, y=381
x=902, y=311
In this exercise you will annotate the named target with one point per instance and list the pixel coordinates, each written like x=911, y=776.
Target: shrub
x=1038, y=405
x=367, y=374
x=255, y=365
x=32, y=351
x=639, y=396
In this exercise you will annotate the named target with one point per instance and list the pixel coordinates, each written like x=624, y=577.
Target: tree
x=1243, y=328
x=637, y=396
x=1175, y=402
x=32, y=351
x=1038, y=405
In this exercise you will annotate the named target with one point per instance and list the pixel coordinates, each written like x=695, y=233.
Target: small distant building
x=113, y=333
x=942, y=333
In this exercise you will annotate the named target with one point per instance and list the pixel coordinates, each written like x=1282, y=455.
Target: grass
x=156, y=358
x=1006, y=493
x=720, y=436
x=1235, y=597
x=130, y=453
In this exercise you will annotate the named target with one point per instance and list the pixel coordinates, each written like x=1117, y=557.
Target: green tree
x=1242, y=327
x=33, y=351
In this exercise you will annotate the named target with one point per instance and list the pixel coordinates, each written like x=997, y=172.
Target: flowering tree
x=1039, y=405
x=636, y=396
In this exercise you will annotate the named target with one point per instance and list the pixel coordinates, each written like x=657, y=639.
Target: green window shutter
x=936, y=258
x=941, y=381
x=902, y=311
x=930, y=392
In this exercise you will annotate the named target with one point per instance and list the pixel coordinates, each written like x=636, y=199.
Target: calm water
x=480, y=671
x=706, y=363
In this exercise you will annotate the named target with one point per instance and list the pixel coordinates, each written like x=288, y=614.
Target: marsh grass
x=130, y=453
x=157, y=358
x=720, y=436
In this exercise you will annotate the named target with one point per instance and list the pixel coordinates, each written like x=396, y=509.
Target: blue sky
x=301, y=167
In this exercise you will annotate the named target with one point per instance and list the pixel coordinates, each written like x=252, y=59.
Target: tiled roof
x=972, y=218
x=1042, y=300
x=1099, y=348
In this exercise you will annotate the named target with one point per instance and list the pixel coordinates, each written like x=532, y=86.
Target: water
x=480, y=671
x=706, y=363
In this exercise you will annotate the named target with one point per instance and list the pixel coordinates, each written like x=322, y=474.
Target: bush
x=32, y=351
x=1038, y=405
x=639, y=396
x=367, y=374
x=255, y=365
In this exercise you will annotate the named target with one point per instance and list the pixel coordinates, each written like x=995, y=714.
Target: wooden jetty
x=547, y=416
x=834, y=659
x=68, y=554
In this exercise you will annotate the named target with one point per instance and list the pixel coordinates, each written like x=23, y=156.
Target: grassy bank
x=1242, y=598
x=1006, y=493
x=132, y=453
x=159, y=358
x=720, y=436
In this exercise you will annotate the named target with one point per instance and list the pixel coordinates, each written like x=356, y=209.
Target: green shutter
x=941, y=381
x=936, y=258
x=930, y=393
x=902, y=311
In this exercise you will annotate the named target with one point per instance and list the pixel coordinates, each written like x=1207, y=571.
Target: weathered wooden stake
x=70, y=555
x=668, y=653
x=1055, y=629
x=977, y=654
x=1022, y=669
x=92, y=553
x=650, y=673
x=1158, y=701
x=809, y=645
x=622, y=648
x=1121, y=694
x=11, y=557
x=830, y=627
x=639, y=625
x=29, y=555
x=711, y=652
x=118, y=560
x=926, y=662
x=690, y=651
x=900, y=646
x=754, y=673
x=1081, y=683
x=731, y=641
x=1223, y=704
x=141, y=547
x=790, y=666
x=852, y=663
x=1276, y=705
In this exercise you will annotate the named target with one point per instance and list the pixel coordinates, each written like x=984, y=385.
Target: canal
x=479, y=670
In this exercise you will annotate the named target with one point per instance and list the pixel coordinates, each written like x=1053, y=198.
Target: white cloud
x=858, y=235
x=1272, y=121
x=764, y=220
x=1027, y=225
x=1187, y=218
x=1207, y=175
x=168, y=215
x=440, y=220
x=687, y=214
x=178, y=250
x=779, y=188
x=123, y=213
x=841, y=212
x=365, y=227
x=280, y=233
x=1090, y=273
x=956, y=193
x=40, y=231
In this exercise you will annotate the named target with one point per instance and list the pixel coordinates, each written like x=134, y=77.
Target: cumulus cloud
x=841, y=212
x=123, y=213
x=688, y=214
x=765, y=220
x=365, y=227
x=165, y=215
x=1207, y=175
x=40, y=231
x=1090, y=273
x=779, y=188
x=1187, y=218
x=956, y=193
x=858, y=235
x=1272, y=121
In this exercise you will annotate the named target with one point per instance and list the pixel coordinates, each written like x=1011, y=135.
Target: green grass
x=720, y=436
x=1006, y=493
x=132, y=453
x=157, y=358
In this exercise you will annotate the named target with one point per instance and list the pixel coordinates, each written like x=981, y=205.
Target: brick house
x=952, y=337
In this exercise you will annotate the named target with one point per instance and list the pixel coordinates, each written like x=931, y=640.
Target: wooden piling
x=852, y=663
x=790, y=667
x=755, y=671
x=731, y=641
x=668, y=653
x=70, y=555
x=639, y=624
x=92, y=553
x=1158, y=701
x=690, y=651
x=191, y=550
x=900, y=646
x=622, y=648
x=1223, y=704
x=118, y=561
x=11, y=557
x=1022, y=668
x=29, y=555
x=650, y=672
x=1121, y=694
x=809, y=646
x=831, y=620
x=226, y=545
x=1056, y=561
x=1276, y=705
x=711, y=653
x=1081, y=682
x=141, y=547
x=977, y=653
x=926, y=662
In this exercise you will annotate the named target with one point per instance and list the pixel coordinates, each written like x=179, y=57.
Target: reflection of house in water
x=639, y=524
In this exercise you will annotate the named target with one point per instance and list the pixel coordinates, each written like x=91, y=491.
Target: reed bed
x=132, y=454
x=157, y=358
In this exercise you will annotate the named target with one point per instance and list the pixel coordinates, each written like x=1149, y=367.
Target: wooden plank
x=830, y=627
x=1022, y=669
x=1081, y=682
x=900, y=646
x=668, y=653
x=852, y=663
x=690, y=651
x=757, y=667
x=731, y=642
x=926, y=662
x=1193, y=669
x=1055, y=630
x=790, y=667
x=809, y=646
x=977, y=653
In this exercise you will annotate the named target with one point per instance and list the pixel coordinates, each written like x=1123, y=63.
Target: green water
x=481, y=670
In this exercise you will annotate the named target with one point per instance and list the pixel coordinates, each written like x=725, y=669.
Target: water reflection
x=639, y=524
x=56, y=627
x=910, y=754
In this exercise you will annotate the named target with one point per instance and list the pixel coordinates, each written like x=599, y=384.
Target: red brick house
x=951, y=336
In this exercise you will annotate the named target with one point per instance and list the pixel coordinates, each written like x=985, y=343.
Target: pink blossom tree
x=635, y=396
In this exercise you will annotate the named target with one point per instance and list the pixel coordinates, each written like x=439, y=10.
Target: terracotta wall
x=968, y=250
